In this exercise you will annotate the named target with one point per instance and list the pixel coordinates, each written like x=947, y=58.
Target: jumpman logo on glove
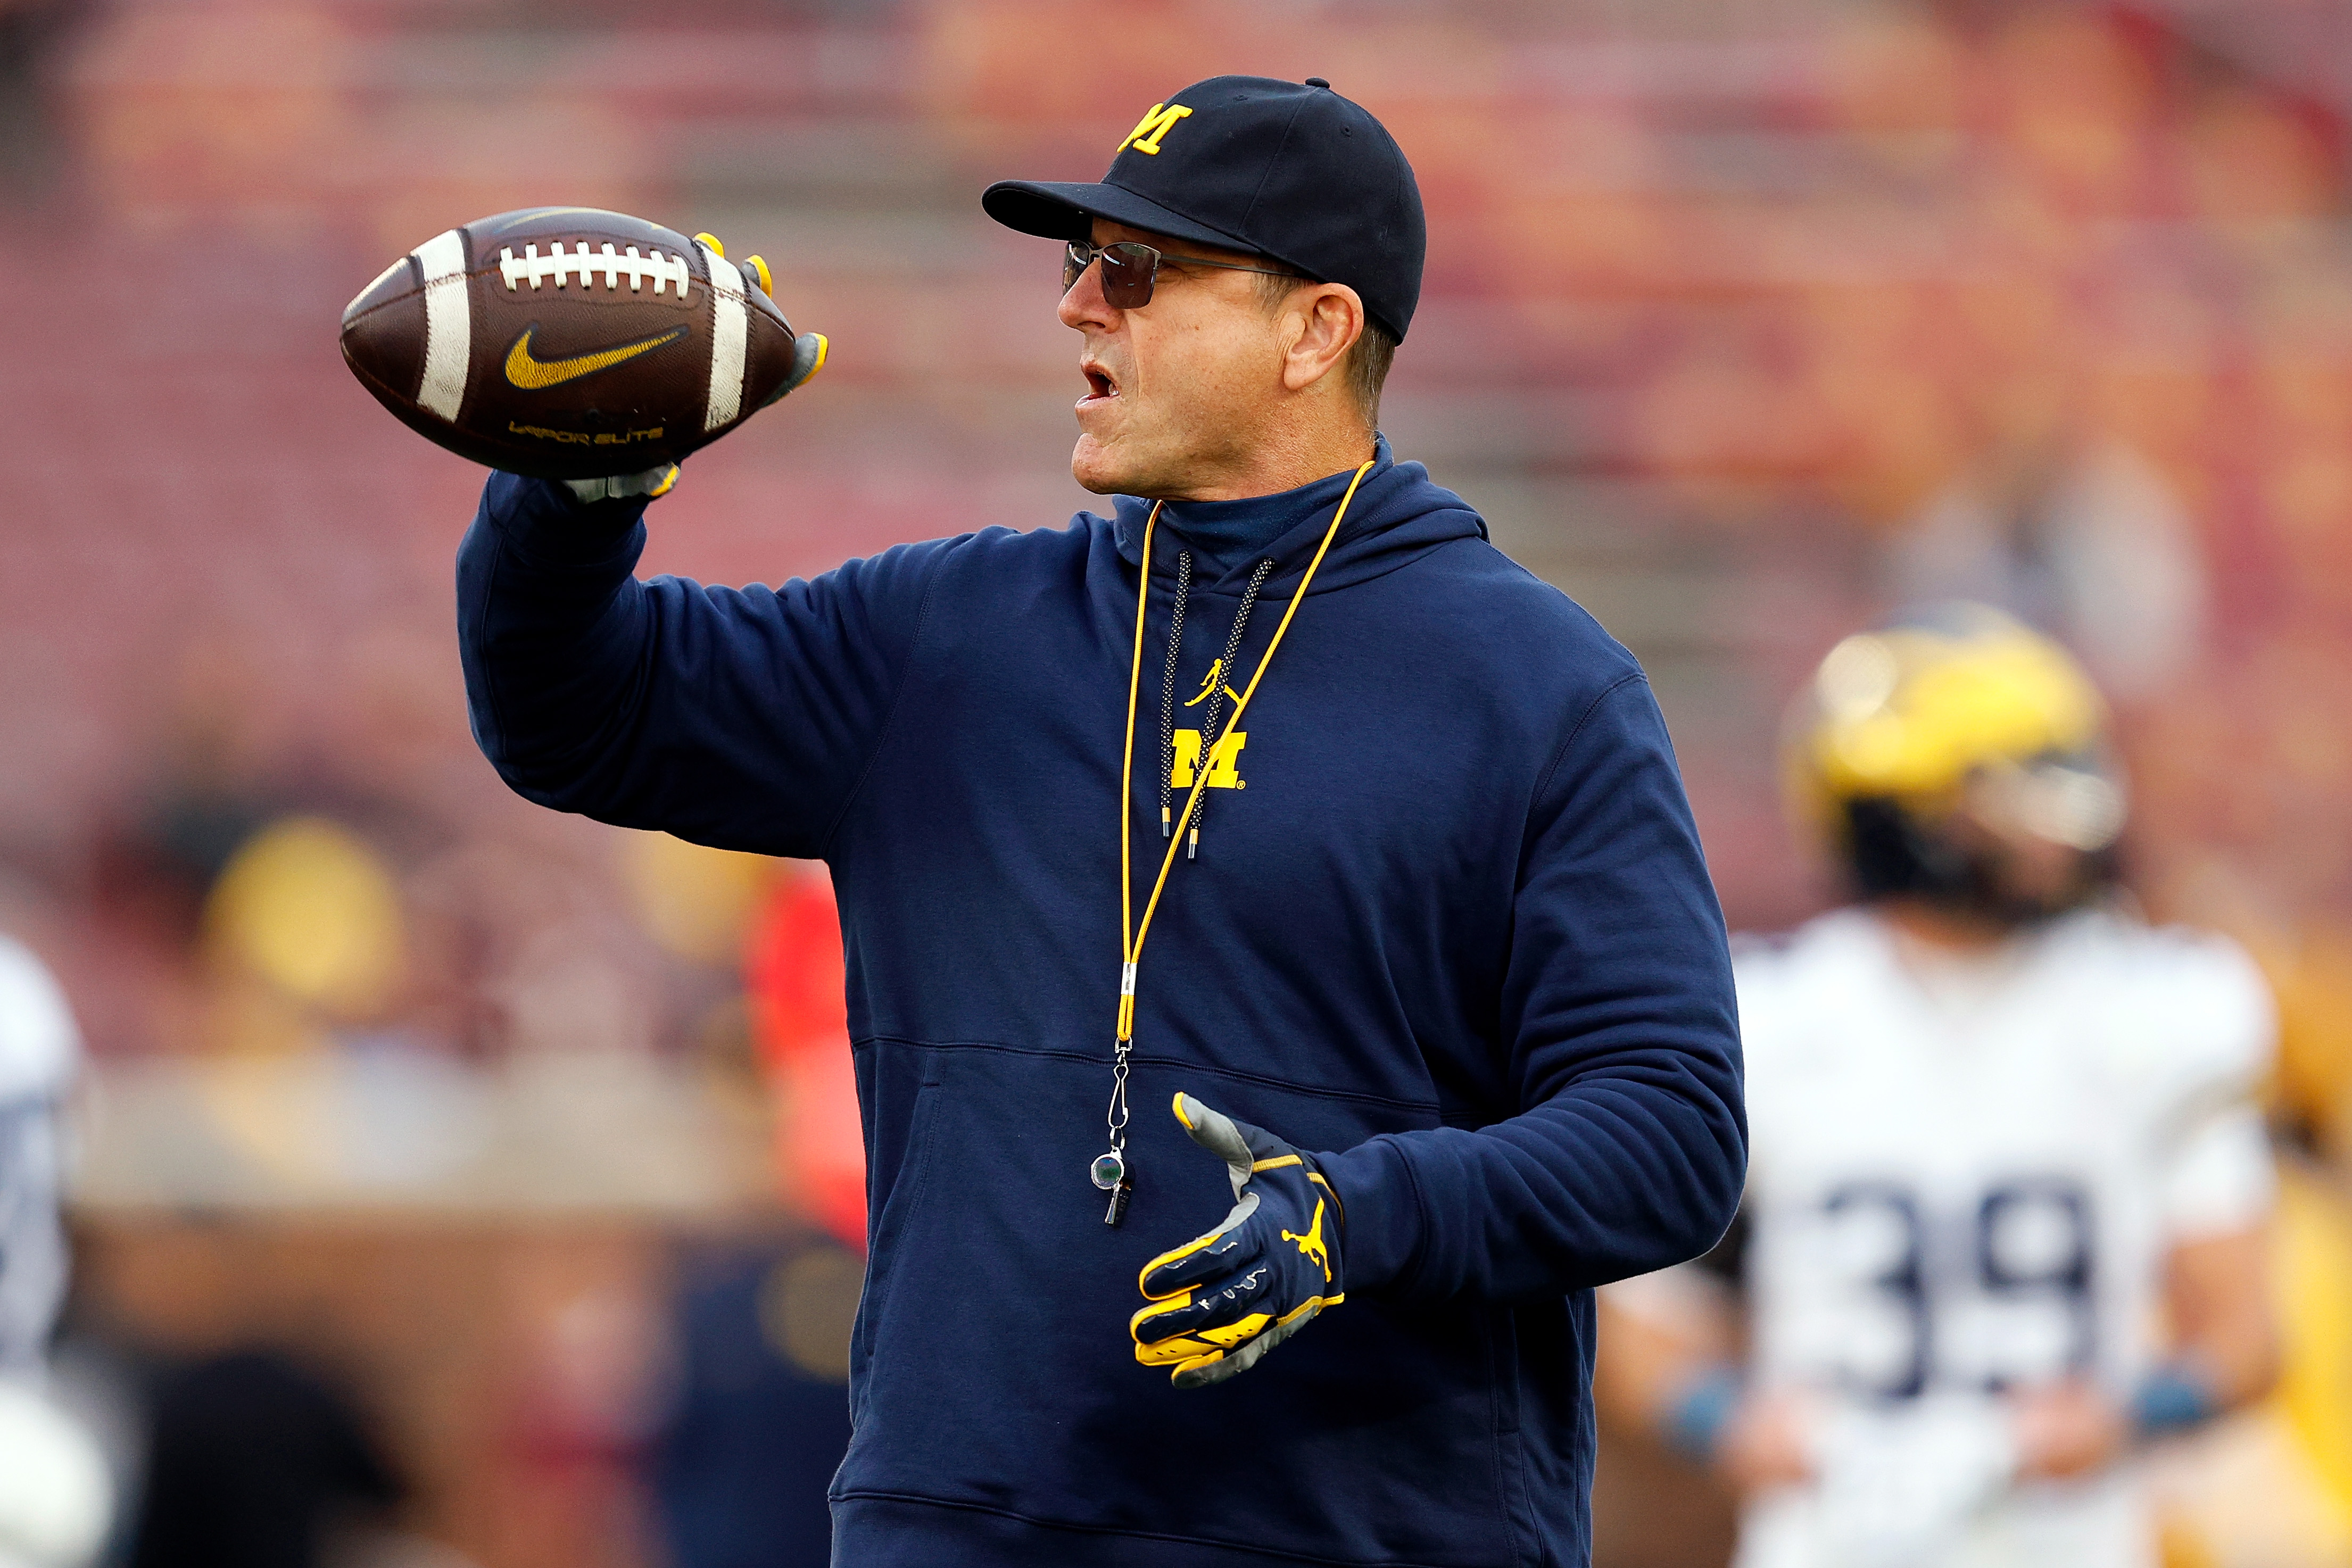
x=1311, y=1244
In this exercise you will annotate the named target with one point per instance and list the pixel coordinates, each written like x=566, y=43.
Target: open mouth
x=1099, y=385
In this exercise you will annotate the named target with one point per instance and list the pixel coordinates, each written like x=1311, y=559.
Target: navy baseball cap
x=1295, y=174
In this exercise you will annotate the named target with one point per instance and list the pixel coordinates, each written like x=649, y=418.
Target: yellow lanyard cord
x=1127, y=767
x=1134, y=943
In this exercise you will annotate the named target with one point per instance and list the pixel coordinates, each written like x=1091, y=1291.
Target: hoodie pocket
x=1002, y=1376
x=901, y=1087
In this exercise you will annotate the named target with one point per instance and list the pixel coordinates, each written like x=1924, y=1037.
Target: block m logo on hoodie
x=1223, y=759
x=1225, y=753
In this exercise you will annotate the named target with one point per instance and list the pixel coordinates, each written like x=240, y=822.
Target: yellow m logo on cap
x=1156, y=123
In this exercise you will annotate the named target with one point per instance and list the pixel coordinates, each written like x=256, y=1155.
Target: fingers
x=1213, y=1323
x=1246, y=1150
x=1217, y=1316
x=810, y=350
x=1219, y=1364
x=1205, y=1370
x=653, y=484
x=1219, y=1133
x=1207, y=1345
x=1203, y=1258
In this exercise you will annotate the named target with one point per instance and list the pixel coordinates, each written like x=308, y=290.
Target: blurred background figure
x=2008, y=1191
x=39, y=1052
x=56, y=1494
x=760, y=1412
x=252, y=1463
x=1745, y=321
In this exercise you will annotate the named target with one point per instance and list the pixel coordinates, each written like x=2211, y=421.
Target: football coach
x=1272, y=848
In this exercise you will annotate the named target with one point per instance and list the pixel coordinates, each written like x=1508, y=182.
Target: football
x=571, y=343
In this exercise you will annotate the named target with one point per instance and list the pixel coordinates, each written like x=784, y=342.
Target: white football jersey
x=1963, y=1176
x=38, y=1051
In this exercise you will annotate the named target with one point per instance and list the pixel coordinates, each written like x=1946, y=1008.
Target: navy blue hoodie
x=1450, y=922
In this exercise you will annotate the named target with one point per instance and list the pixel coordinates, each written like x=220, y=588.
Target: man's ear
x=1320, y=324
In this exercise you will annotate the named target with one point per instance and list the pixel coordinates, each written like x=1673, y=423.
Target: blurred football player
x=38, y=1047
x=2005, y=1211
x=55, y=1492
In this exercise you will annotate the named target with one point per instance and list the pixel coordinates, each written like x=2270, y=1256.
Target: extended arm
x=1668, y=1362
x=2219, y=1190
x=1631, y=1148
x=2217, y=1187
x=2217, y=1294
x=2225, y=1355
x=736, y=717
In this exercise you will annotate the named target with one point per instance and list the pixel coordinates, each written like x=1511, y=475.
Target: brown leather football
x=571, y=344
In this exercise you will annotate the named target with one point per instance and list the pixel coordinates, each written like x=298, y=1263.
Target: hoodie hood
x=1398, y=516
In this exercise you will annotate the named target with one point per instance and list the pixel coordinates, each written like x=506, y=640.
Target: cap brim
x=1059, y=210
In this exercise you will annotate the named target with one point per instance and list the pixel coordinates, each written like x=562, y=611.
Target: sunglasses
x=1129, y=270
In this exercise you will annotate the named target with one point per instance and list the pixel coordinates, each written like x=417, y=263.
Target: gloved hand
x=809, y=349
x=1222, y=1301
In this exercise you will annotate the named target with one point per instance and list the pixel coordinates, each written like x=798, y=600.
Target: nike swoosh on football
x=531, y=375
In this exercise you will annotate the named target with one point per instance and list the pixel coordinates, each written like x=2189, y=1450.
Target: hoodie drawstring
x=1168, y=682
x=1213, y=691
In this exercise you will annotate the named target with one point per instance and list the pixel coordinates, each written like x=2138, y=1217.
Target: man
x=1278, y=791
x=2000, y=1126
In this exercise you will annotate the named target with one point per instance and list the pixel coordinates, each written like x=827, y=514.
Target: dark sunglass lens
x=1074, y=265
x=1127, y=274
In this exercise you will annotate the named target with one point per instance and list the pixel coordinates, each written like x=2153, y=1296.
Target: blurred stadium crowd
x=523, y=1153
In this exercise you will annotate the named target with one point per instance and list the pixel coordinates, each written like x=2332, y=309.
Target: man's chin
x=1100, y=471
x=1157, y=473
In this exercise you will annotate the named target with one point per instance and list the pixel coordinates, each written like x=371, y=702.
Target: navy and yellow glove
x=1222, y=1301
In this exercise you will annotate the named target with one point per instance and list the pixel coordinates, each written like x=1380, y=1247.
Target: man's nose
x=1083, y=304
